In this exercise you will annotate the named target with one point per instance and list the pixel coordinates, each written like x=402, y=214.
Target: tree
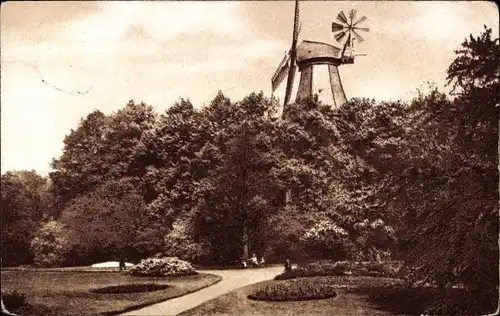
x=238, y=193
x=442, y=178
x=79, y=169
x=105, y=223
x=22, y=212
x=104, y=147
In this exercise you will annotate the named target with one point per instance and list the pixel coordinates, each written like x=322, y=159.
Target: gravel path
x=231, y=280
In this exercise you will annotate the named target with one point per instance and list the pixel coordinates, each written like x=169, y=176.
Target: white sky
x=159, y=51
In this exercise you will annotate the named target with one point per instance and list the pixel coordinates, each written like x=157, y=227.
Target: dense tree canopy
x=22, y=207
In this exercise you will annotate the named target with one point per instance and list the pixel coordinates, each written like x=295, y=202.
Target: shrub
x=13, y=300
x=386, y=269
x=160, y=267
x=328, y=240
x=329, y=268
x=50, y=246
x=295, y=290
x=321, y=268
x=180, y=243
x=130, y=288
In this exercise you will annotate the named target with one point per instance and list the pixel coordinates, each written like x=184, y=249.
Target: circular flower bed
x=161, y=267
x=130, y=288
x=295, y=290
x=13, y=300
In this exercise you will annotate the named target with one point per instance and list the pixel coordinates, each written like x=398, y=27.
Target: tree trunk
x=245, y=240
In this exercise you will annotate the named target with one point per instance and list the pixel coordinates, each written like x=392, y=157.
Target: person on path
x=254, y=261
x=288, y=265
x=122, y=264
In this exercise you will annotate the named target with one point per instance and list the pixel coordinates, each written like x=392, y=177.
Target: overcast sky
x=157, y=52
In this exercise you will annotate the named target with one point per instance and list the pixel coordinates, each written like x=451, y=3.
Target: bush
x=329, y=268
x=13, y=300
x=180, y=243
x=386, y=269
x=161, y=267
x=130, y=288
x=328, y=240
x=50, y=246
x=321, y=268
x=295, y=290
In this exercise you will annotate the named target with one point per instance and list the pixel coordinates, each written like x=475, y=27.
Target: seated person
x=254, y=261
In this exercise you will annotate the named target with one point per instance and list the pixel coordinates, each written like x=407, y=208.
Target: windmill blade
x=366, y=29
x=342, y=18
x=280, y=73
x=340, y=36
x=358, y=37
x=361, y=20
x=352, y=15
x=337, y=27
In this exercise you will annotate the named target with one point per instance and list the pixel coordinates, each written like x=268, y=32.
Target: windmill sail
x=280, y=73
x=293, y=56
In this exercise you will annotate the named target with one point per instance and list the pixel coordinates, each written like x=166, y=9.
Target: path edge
x=142, y=305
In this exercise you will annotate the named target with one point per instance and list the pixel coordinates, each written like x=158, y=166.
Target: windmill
x=311, y=53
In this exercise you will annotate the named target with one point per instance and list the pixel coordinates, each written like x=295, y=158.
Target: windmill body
x=311, y=54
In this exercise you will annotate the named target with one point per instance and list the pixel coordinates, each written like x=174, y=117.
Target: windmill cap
x=311, y=52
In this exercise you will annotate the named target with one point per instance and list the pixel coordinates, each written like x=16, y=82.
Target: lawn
x=345, y=303
x=68, y=292
x=356, y=295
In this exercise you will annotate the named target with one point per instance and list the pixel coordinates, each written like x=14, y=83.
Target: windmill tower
x=310, y=54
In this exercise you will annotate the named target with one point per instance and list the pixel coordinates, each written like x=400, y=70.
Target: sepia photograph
x=249, y=158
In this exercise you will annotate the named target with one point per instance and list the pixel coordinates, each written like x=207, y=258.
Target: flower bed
x=13, y=300
x=162, y=267
x=130, y=288
x=295, y=290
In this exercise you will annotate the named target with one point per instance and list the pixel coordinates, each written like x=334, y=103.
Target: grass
x=345, y=303
x=405, y=300
x=356, y=295
x=69, y=292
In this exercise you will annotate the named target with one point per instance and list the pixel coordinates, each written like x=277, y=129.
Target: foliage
x=295, y=290
x=179, y=242
x=350, y=240
x=322, y=268
x=104, y=223
x=103, y=147
x=162, y=267
x=354, y=268
x=130, y=288
x=450, y=199
x=22, y=210
x=238, y=194
x=50, y=246
x=326, y=238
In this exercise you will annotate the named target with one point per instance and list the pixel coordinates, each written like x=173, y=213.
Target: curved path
x=231, y=280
